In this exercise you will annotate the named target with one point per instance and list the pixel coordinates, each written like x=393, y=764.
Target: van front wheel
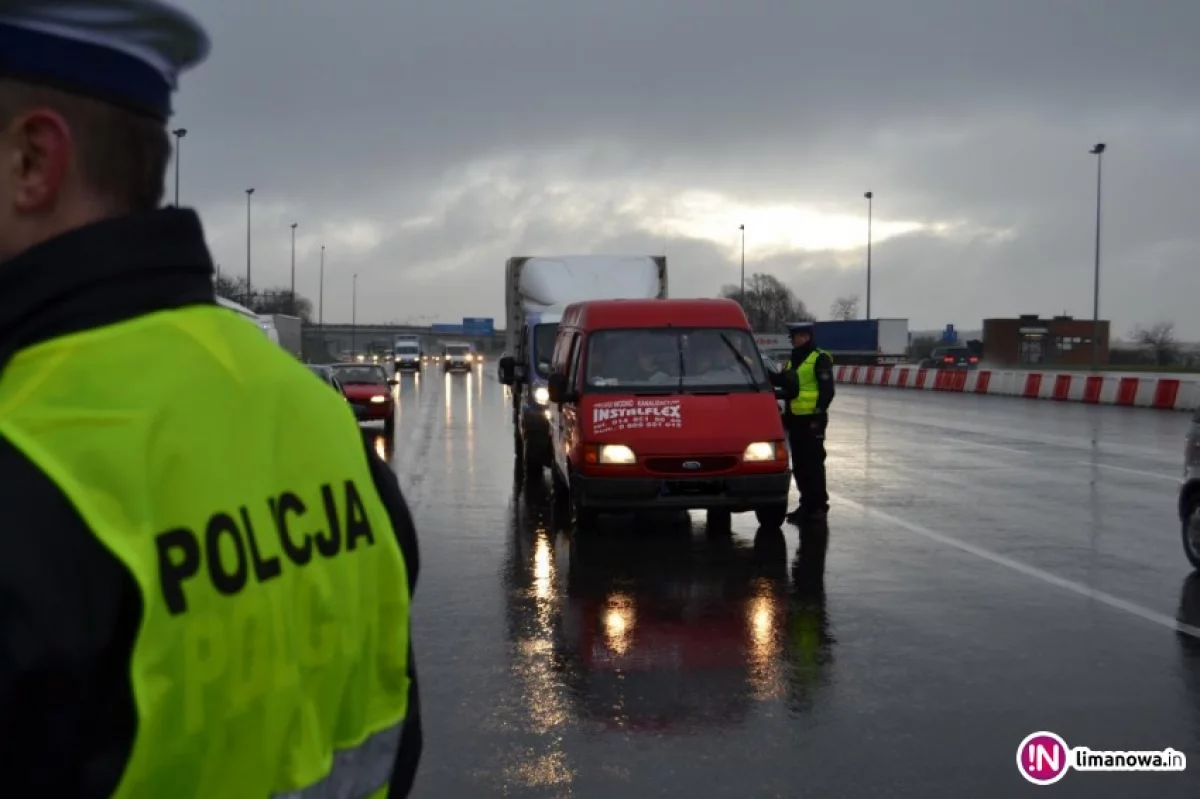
x=533, y=460
x=771, y=516
x=719, y=521
x=582, y=518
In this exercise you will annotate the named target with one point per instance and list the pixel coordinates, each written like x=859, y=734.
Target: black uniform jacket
x=69, y=611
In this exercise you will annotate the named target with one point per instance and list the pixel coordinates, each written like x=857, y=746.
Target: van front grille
x=703, y=464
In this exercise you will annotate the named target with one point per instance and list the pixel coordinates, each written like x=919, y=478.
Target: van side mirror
x=556, y=385
x=507, y=371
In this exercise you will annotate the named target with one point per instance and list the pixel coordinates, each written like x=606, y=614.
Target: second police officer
x=807, y=381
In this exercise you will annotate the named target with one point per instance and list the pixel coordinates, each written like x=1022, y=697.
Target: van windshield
x=692, y=360
x=543, y=347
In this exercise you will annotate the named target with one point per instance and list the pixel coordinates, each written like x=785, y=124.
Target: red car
x=368, y=389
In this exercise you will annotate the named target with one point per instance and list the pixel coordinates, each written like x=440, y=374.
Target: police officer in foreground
x=807, y=382
x=206, y=574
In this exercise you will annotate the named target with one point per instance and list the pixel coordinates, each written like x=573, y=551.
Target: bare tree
x=844, y=308
x=264, y=301
x=1159, y=340
x=769, y=305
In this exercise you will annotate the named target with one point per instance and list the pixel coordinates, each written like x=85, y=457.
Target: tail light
x=973, y=359
x=948, y=359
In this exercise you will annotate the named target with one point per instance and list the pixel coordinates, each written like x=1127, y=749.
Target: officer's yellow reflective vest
x=805, y=403
x=272, y=658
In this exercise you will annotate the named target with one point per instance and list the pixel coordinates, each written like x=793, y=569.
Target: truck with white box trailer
x=864, y=342
x=853, y=342
x=536, y=292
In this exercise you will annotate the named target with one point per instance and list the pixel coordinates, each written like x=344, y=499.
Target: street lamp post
x=321, y=291
x=870, y=212
x=294, y=224
x=1097, y=151
x=178, y=133
x=249, y=293
x=354, y=316
x=743, y=292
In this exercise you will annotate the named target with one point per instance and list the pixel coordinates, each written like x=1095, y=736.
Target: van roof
x=613, y=314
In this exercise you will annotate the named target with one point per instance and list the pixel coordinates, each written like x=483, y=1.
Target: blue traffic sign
x=447, y=329
x=478, y=325
x=949, y=335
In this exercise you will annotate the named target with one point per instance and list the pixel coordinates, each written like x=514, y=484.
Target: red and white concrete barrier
x=1166, y=391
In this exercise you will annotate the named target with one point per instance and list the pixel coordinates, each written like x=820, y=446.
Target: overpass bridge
x=324, y=343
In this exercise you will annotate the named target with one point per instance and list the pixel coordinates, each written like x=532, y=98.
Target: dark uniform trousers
x=806, y=438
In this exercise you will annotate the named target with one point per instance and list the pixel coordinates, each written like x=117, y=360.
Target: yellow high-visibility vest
x=272, y=657
x=805, y=403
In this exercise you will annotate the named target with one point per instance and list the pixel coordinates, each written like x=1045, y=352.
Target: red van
x=665, y=404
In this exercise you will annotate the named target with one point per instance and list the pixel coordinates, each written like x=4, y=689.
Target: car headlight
x=541, y=395
x=617, y=454
x=760, y=451
x=379, y=398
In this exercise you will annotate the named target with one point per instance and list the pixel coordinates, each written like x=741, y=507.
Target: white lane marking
x=989, y=446
x=1093, y=594
x=1159, y=475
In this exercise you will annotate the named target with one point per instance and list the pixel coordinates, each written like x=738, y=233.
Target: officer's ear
x=38, y=154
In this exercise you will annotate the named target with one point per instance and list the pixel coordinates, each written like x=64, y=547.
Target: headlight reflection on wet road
x=470, y=395
x=534, y=668
x=619, y=621
x=763, y=611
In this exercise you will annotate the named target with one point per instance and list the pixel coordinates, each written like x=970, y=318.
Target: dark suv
x=950, y=358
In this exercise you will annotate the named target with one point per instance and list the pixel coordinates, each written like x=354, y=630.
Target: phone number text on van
x=636, y=414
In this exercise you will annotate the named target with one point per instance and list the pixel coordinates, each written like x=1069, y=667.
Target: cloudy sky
x=425, y=142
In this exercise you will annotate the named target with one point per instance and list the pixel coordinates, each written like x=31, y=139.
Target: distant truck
x=283, y=330
x=288, y=332
x=536, y=292
x=776, y=346
x=864, y=342
x=854, y=342
x=407, y=353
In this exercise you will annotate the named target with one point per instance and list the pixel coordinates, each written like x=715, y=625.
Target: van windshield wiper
x=742, y=363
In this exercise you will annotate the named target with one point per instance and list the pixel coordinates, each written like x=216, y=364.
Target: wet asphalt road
x=992, y=567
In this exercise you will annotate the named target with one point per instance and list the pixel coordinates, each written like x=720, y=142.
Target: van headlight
x=541, y=395
x=616, y=454
x=760, y=451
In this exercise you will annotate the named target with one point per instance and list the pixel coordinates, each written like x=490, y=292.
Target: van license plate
x=690, y=488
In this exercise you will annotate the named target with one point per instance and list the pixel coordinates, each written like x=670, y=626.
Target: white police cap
x=125, y=52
